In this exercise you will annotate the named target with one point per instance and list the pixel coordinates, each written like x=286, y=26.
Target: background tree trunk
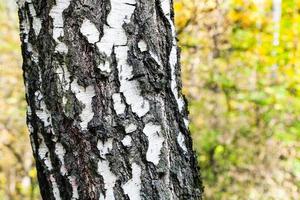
x=106, y=115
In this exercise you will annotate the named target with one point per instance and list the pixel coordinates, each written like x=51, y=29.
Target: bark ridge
x=106, y=115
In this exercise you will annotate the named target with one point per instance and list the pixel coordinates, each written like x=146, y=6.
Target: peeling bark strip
x=106, y=115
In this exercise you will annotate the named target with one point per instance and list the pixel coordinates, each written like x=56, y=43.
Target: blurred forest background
x=241, y=75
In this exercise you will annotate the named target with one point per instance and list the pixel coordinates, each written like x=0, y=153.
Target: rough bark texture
x=106, y=115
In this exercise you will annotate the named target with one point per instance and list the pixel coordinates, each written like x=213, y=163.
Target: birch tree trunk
x=106, y=115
